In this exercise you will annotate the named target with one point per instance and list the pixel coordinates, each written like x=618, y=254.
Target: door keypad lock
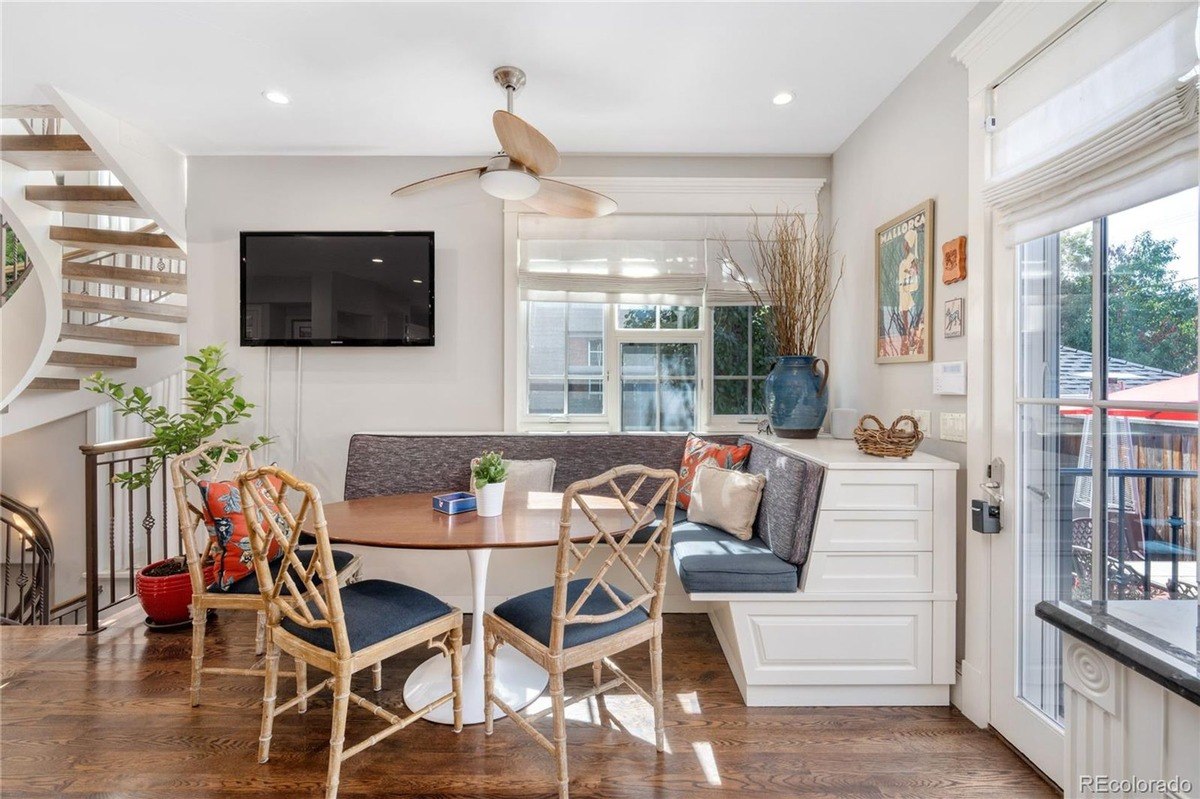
x=985, y=516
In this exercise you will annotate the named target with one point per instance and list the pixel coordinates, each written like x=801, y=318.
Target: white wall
x=911, y=148
x=43, y=467
x=456, y=385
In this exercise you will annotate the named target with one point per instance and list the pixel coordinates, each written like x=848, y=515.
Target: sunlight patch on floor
x=708, y=762
x=689, y=703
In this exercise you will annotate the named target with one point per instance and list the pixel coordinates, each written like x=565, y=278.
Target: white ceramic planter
x=490, y=500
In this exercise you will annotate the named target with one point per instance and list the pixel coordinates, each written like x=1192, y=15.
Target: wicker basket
x=895, y=441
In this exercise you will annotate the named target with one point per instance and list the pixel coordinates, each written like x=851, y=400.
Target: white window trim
x=710, y=196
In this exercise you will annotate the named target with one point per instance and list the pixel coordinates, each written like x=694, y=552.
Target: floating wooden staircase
x=109, y=275
x=98, y=200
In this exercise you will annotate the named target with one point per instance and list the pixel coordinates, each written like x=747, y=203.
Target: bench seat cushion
x=709, y=560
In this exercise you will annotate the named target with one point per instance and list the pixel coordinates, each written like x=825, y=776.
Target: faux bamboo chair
x=573, y=624
x=215, y=462
x=337, y=629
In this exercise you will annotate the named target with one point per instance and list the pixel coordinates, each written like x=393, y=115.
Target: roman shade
x=1077, y=140
x=636, y=259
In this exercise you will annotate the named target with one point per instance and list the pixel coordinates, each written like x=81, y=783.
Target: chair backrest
x=622, y=484
x=307, y=593
x=211, y=461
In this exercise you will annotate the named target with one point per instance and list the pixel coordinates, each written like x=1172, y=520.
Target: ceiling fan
x=517, y=171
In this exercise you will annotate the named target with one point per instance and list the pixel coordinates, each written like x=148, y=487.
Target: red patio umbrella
x=1173, y=390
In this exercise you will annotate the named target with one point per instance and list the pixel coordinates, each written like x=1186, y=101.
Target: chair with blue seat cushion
x=586, y=620
x=340, y=630
x=209, y=463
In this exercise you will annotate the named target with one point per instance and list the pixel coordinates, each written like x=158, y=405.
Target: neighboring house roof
x=1075, y=373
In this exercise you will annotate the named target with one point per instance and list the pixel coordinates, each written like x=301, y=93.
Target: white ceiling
x=415, y=79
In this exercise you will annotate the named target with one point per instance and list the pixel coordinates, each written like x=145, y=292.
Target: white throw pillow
x=726, y=499
x=523, y=476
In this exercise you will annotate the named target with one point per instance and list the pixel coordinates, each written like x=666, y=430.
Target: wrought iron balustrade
x=125, y=529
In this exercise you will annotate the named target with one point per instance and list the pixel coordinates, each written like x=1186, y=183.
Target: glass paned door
x=1104, y=489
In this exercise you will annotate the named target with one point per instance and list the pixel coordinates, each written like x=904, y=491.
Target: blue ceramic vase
x=796, y=396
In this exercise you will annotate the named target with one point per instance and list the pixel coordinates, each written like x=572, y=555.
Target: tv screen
x=337, y=289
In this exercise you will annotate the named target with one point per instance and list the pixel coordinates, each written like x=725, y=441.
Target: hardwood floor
x=108, y=716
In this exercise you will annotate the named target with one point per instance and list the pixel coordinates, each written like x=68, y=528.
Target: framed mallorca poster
x=904, y=287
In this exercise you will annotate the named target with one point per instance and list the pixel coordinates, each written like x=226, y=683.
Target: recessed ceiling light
x=783, y=98
x=376, y=260
x=277, y=97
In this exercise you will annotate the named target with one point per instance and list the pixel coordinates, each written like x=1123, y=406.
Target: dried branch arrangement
x=795, y=266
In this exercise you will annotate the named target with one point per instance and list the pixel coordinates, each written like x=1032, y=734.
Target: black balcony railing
x=1147, y=541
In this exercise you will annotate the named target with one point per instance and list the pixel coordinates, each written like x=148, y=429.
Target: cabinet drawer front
x=868, y=572
x=873, y=531
x=878, y=489
x=817, y=643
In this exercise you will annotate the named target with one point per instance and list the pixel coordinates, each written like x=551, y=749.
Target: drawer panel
x=878, y=489
x=868, y=572
x=819, y=643
x=873, y=531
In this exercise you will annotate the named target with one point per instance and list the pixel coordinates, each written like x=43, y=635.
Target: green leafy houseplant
x=490, y=469
x=210, y=404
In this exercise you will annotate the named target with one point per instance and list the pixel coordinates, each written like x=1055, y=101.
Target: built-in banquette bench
x=844, y=596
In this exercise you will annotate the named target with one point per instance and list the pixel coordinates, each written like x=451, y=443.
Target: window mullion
x=1099, y=415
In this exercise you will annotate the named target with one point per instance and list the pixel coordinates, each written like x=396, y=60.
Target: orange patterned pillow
x=697, y=451
x=229, y=533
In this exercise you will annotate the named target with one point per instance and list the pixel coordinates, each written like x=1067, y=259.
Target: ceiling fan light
x=509, y=184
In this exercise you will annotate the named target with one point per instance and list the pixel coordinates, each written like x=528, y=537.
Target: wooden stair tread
x=157, y=311
x=86, y=238
x=98, y=360
x=58, y=153
x=119, y=335
x=54, y=384
x=100, y=200
x=124, y=276
x=29, y=112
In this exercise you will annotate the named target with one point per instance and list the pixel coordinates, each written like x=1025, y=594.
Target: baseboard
x=972, y=694
x=847, y=695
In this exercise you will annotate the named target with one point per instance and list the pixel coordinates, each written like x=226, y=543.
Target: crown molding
x=997, y=24
x=677, y=195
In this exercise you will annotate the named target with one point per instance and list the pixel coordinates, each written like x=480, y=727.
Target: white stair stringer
x=31, y=318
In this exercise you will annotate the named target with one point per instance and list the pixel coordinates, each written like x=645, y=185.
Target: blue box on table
x=457, y=502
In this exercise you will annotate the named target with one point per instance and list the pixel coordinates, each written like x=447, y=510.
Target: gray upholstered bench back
x=381, y=464
x=385, y=463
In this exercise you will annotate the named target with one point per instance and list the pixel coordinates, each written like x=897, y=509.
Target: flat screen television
x=337, y=289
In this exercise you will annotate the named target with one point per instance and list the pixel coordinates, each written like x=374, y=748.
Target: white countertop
x=837, y=453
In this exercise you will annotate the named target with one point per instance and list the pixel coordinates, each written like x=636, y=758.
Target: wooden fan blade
x=563, y=199
x=523, y=142
x=430, y=183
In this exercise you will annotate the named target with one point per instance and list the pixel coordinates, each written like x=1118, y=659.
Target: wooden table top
x=408, y=521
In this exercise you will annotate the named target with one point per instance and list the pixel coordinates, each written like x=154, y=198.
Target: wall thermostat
x=950, y=377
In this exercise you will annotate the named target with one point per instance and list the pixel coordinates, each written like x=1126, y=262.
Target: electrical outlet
x=925, y=420
x=954, y=427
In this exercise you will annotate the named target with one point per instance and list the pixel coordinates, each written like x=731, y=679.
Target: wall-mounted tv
x=337, y=289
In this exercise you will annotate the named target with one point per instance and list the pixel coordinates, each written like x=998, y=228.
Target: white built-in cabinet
x=873, y=622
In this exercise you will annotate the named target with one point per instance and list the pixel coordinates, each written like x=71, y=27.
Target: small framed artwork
x=904, y=286
x=952, y=319
x=954, y=260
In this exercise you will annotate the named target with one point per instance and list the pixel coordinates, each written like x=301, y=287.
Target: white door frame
x=1002, y=42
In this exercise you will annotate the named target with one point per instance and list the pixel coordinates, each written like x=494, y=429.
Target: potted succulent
x=210, y=404
x=488, y=476
x=796, y=279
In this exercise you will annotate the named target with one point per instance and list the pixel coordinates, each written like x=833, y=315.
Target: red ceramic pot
x=166, y=599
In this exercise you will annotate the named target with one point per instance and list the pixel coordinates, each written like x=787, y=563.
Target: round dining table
x=408, y=521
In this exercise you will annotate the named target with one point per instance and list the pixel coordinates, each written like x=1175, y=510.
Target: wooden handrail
x=116, y=446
